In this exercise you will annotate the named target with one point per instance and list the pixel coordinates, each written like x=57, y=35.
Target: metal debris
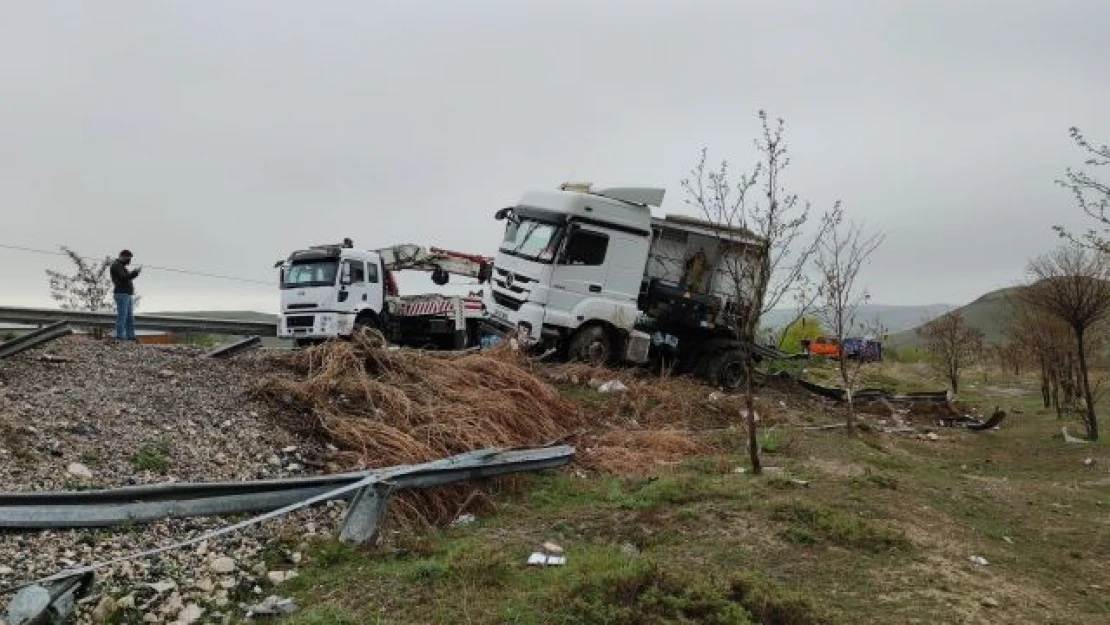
x=34, y=339
x=232, y=349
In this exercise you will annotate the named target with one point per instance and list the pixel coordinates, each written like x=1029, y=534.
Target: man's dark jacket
x=122, y=278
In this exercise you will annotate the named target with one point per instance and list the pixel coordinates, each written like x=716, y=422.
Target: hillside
x=988, y=313
x=893, y=318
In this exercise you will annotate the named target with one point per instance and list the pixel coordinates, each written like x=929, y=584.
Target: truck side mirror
x=345, y=274
x=504, y=213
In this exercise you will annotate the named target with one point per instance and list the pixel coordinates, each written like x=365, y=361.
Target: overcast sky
x=218, y=136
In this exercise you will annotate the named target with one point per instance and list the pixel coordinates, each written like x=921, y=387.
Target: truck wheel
x=591, y=344
x=726, y=370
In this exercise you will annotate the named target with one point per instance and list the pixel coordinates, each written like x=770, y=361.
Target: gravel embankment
x=79, y=414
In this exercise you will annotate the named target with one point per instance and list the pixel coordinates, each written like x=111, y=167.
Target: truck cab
x=590, y=273
x=326, y=290
x=570, y=258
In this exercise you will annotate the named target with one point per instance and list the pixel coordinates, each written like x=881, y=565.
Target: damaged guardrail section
x=50, y=599
x=35, y=338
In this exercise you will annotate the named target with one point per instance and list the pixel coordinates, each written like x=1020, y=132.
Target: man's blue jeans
x=125, y=317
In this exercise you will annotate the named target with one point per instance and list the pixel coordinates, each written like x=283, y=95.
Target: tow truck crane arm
x=441, y=263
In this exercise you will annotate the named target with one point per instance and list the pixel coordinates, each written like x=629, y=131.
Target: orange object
x=822, y=346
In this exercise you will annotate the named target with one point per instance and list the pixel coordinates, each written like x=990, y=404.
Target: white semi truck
x=327, y=291
x=590, y=273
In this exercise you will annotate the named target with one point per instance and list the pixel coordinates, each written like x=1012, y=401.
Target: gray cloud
x=217, y=136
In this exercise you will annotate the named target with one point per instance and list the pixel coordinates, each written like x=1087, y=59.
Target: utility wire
x=168, y=269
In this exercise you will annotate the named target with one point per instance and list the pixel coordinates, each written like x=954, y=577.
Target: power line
x=167, y=269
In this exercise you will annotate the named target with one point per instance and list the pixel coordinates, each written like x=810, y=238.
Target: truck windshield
x=311, y=273
x=532, y=239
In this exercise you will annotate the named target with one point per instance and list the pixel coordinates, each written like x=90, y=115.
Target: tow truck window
x=313, y=273
x=586, y=248
x=358, y=271
x=372, y=273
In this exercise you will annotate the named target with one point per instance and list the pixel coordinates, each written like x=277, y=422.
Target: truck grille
x=300, y=321
x=506, y=301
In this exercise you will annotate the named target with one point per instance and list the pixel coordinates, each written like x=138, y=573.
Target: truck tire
x=591, y=344
x=726, y=370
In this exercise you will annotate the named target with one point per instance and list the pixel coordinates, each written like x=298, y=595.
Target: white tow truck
x=327, y=291
x=589, y=272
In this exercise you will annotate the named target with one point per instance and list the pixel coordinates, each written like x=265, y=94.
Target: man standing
x=124, y=292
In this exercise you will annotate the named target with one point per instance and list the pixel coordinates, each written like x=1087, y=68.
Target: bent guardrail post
x=366, y=511
x=34, y=339
x=39, y=605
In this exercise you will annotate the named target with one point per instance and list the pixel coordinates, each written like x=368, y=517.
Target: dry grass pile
x=657, y=422
x=385, y=407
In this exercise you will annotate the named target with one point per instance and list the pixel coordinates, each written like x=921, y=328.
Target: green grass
x=152, y=456
x=809, y=524
x=871, y=528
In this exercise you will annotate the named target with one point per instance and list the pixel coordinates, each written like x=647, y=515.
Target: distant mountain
x=989, y=313
x=893, y=318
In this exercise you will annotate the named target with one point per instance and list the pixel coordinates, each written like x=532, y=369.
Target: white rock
x=980, y=560
x=288, y=450
x=1088, y=461
x=173, y=604
x=554, y=548
x=151, y=617
x=222, y=564
x=989, y=602
x=464, y=519
x=227, y=583
x=162, y=587
x=280, y=577
x=79, y=470
x=127, y=602
x=190, y=614
x=206, y=585
x=612, y=386
x=932, y=436
x=220, y=599
x=296, y=557
x=6, y=570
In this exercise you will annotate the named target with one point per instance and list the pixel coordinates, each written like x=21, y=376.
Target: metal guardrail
x=34, y=339
x=37, y=316
x=232, y=349
x=144, y=504
x=51, y=599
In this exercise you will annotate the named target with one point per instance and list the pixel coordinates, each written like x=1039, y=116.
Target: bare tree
x=841, y=254
x=757, y=202
x=89, y=287
x=1073, y=284
x=1091, y=193
x=953, y=345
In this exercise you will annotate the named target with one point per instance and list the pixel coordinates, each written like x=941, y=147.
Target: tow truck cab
x=326, y=290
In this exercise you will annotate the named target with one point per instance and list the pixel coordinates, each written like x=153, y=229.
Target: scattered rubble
x=104, y=415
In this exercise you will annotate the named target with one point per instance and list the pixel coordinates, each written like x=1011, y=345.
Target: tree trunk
x=954, y=378
x=1045, y=395
x=749, y=405
x=1092, y=423
x=851, y=424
